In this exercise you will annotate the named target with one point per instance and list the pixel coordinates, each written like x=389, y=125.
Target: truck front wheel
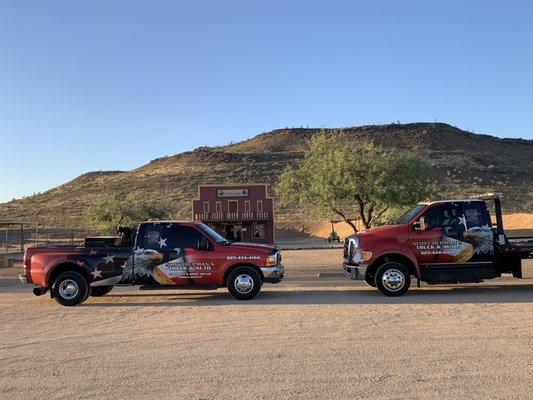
x=70, y=288
x=244, y=283
x=393, y=279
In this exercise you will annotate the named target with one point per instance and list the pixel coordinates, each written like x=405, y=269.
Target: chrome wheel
x=68, y=289
x=244, y=284
x=393, y=279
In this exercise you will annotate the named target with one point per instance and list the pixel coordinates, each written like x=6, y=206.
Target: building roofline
x=233, y=184
x=267, y=197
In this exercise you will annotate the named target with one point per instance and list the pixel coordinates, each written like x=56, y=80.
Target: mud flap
x=517, y=269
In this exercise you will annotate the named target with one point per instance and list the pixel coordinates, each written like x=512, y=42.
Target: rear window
x=476, y=214
x=151, y=236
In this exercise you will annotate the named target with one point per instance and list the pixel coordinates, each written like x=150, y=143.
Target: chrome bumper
x=273, y=274
x=23, y=278
x=355, y=271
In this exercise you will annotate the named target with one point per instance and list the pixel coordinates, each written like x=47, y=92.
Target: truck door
x=197, y=255
x=478, y=230
x=188, y=257
x=454, y=233
x=151, y=252
x=439, y=238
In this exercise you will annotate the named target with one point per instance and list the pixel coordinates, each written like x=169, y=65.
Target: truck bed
x=521, y=243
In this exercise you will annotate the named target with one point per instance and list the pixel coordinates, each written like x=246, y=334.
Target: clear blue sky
x=113, y=84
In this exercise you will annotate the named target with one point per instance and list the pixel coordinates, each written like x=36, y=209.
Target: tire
x=99, y=291
x=70, y=288
x=370, y=280
x=393, y=279
x=244, y=283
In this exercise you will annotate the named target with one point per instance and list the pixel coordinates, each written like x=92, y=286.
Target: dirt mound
x=465, y=163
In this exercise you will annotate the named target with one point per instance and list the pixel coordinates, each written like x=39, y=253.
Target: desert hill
x=465, y=163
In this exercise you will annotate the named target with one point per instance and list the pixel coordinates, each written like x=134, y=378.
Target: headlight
x=353, y=245
x=272, y=260
x=361, y=256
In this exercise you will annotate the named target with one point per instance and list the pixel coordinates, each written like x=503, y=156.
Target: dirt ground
x=305, y=338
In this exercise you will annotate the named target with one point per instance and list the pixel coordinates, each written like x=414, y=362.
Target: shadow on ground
x=358, y=295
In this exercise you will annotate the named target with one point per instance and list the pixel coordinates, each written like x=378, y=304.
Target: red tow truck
x=452, y=241
x=161, y=255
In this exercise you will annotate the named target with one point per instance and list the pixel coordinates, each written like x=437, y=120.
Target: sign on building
x=232, y=193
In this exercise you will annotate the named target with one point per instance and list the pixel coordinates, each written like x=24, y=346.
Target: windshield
x=410, y=214
x=212, y=233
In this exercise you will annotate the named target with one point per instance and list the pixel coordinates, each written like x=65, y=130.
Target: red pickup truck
x=450, y=241
x=164, y=255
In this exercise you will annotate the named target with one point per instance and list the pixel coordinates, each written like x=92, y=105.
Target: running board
x=177, y=287
x=458, y=273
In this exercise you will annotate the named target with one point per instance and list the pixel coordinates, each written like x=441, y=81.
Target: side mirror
x=420, y=225
x=203, y=244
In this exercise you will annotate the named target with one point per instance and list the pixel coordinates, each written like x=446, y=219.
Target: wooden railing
x=232, y=216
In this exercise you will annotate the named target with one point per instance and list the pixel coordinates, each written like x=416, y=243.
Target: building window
x=232, y=206
x=258, y=231
x=247, y=207
x=218, y=206
x=259, y=205
x=206, y=207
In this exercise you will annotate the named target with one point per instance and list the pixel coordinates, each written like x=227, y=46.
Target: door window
x=447, y=215
x=177, y=236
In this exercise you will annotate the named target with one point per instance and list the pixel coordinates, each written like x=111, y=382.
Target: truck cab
x=164, y=255
x=450, y=241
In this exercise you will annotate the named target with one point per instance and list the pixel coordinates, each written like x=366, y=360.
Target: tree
x=339, y=178
x=111, y=212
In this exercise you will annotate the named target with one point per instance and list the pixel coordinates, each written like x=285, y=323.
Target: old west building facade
x=238, y=212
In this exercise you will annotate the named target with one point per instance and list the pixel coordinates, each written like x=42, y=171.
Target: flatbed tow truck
x=449, y=241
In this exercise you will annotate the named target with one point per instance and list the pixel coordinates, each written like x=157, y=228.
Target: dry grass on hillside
x=463, y=161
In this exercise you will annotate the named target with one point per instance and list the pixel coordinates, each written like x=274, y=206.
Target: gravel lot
x=305, y=338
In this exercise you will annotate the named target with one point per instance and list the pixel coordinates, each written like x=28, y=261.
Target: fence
x=16, y=240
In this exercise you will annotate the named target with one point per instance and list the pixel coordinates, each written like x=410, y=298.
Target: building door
x=234, y=232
